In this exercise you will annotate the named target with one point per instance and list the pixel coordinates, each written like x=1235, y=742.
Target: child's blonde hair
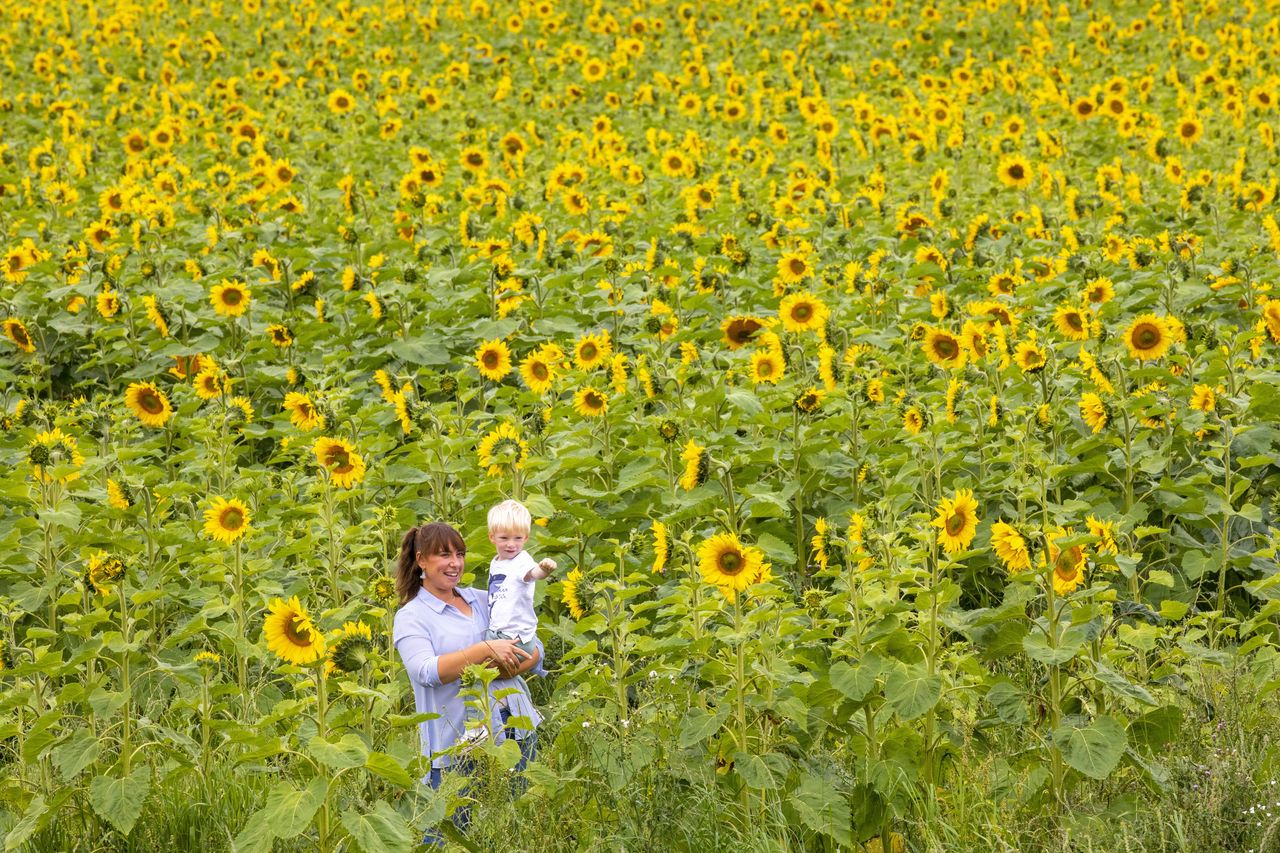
x=510, y=517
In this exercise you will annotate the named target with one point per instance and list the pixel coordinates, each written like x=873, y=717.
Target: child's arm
x=543, y=570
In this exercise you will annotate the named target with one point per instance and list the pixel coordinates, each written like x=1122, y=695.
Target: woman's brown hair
x=434, y=538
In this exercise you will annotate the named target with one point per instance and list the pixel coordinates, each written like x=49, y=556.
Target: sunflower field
x=897, y=385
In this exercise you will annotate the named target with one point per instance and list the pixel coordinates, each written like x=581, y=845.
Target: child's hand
x=547, y=564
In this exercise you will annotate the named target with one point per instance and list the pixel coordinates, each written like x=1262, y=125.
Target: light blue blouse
x=426, y=628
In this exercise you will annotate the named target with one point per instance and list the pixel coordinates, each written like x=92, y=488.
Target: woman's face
x=442, y=571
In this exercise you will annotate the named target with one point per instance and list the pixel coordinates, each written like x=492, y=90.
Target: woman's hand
x=507, y=656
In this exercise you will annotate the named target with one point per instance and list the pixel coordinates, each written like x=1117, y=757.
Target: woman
x=439, y=631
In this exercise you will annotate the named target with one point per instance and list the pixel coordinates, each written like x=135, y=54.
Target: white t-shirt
x=511, y=597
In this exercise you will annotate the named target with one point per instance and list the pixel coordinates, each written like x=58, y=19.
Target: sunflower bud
x=103, y=571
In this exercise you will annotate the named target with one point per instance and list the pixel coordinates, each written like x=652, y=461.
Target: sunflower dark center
x=731, y=563
x=296, y=632
x=232, y=519
x=232, y=296
x=1075, y=321
x=490, y=359
x=955, y=523
x=338, y=459
x=1146, y=336
x=540, y=371
x=1016, y=171
x=150, y=403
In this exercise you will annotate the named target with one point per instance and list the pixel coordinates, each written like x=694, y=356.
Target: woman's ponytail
x=408, y=575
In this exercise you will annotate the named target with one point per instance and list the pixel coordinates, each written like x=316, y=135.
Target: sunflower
x=913, y=420
x=229, y=298
x=340, y=102
x=340, y=459
x=381, y=589
x=1148, y=337
x=944, y=349
x=1030, y=356
x=820, y=542
x=54, y=447
x=675, y=164
x=207, y=661
x=592, y=350
x=739, y=330
x=279, y=335
x=156, y=314
x=1067, y=563
x=474, y=160
x=1204, y=398
x=571, y=593
x=1271, y=318
x=1099, y=291
x=590, y=402
x=108, y=303
x=290, y=634
x=104, y=571
x=352, y=648
x=303, y=413
x=661, y=546
x=794, y=267
x=727, y=563
x=537, y=372
x=1190, y=130
x=1094, y=411
x=15, y=331
x=149, y=403
x=1014, y=171
x=118, y=496
x=803, y=312
x=1010, y=547
x=211, y=383
x=809, y=400
x=493, y=360
x=1105, y=532
x=227, y=520
x=1084, y=108
x=768, y=366
x=1072, y=322
x=957, y=521
x=502, y=448
x=696, y=466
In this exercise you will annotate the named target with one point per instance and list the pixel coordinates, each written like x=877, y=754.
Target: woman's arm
x=427, y=668
x=529, y=662
x=489, y=652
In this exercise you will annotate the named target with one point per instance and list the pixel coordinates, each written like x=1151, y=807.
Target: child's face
x=508, y=543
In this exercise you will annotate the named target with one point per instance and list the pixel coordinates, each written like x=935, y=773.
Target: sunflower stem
x=726, y=481
x=802, y=563
x=1224, y=559
x=322, y=709
x=242, y=675
x=126, y=687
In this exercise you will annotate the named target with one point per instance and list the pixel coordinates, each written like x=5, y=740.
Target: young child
x=512, y=577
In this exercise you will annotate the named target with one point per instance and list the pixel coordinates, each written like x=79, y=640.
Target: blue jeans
x=462, y=816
